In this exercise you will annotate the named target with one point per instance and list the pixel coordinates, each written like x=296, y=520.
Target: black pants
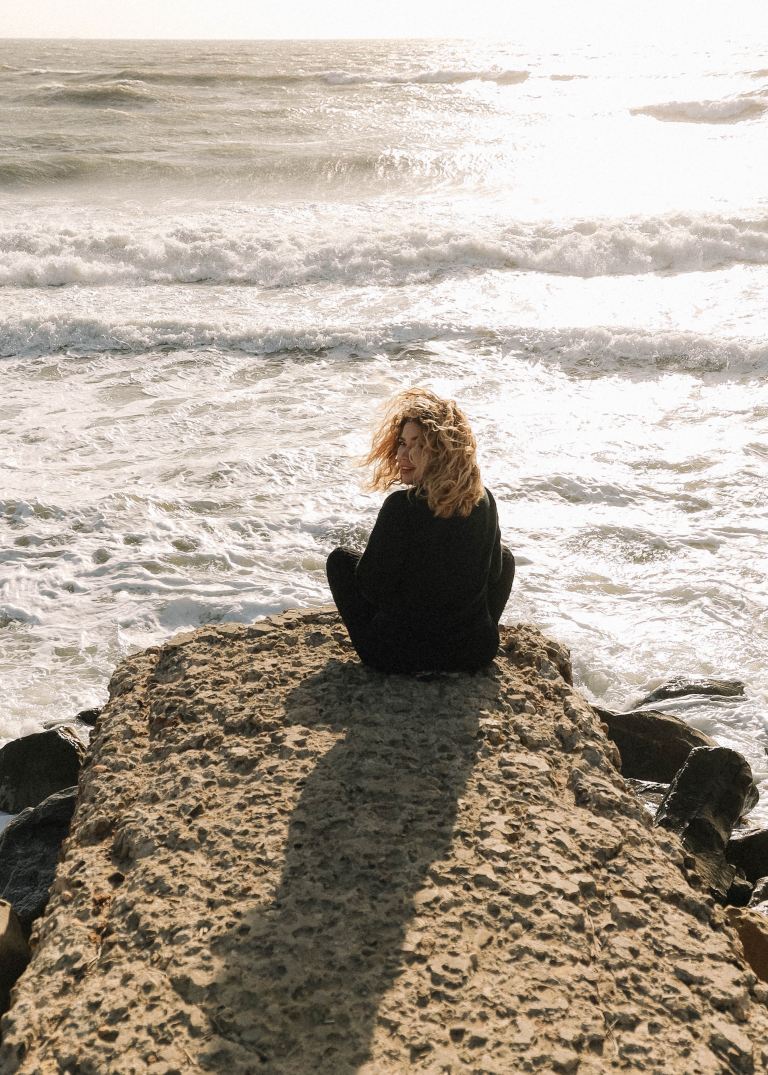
x=381, y=649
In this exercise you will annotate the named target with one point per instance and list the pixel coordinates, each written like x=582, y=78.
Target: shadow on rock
x=375, y=813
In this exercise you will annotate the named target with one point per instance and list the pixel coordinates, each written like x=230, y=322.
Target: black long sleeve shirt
x=428, y=579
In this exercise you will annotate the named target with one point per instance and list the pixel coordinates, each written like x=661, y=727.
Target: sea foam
x=731, y=110
x=596, y=349
x=317, y=250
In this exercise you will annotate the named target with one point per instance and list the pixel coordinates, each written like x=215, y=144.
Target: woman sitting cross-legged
x=429, y=590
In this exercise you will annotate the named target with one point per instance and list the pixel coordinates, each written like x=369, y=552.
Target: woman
x=429, y=590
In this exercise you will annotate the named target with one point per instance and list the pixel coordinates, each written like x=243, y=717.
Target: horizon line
x=383, y=37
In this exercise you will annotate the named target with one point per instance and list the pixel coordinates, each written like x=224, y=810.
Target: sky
x=528, y=21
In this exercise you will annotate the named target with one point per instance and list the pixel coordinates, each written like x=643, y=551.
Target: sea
x=219, y=259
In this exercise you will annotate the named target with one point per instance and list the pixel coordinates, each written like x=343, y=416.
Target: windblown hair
x=451, y=481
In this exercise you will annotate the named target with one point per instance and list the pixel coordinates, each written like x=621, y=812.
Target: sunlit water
x=217, y=260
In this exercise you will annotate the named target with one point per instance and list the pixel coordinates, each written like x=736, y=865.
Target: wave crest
x=116, y=93
x=150, y=76
x=279, y=253
x=729, y=110
x=592, y=351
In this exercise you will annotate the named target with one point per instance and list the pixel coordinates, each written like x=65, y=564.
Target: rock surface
x=752, y=928
x=653, y=746
x=14, y=952
x=29, y=851
x=36, y=766
x=650, y=792
x=760, y=893
x=705, y=800
x=680, y=687
x=88, y=717
x=748, y=850
x=282, y=862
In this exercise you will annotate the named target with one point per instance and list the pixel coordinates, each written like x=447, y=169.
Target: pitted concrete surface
x=282, y=862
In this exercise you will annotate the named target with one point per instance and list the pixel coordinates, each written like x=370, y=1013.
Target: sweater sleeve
x=381, y=569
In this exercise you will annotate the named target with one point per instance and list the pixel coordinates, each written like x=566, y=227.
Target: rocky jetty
x=282, y=862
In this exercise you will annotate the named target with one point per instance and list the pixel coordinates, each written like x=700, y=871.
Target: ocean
x=218, y=259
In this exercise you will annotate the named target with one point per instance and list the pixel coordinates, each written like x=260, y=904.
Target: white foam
x=269, y=250
x=13, y=614
x=441, y=77
x=604, y=349
x=599, y=348
x=731, y=110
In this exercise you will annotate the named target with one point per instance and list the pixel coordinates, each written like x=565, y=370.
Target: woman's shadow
x=375, y=813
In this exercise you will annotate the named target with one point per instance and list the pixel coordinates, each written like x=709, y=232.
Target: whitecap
x=730, y=110
x=335, y=250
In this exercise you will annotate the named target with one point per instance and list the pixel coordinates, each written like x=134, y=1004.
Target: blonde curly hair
x=451, y=481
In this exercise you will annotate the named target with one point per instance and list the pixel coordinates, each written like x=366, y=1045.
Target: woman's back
x=428, y=591
x=430, y=572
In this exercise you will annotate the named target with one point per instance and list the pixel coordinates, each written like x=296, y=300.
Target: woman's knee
x=341, y=562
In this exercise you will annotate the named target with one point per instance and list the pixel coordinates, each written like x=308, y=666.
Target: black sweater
x=428, y=579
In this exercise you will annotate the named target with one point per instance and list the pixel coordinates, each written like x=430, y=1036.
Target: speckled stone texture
x=282, y=862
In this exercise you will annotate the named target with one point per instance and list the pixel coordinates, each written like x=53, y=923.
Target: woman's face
x=411, y=453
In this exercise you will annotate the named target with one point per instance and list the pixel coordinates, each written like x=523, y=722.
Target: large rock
x=653, y=746
x=29, y=851
x=89, y=717
x=283, y=862
x=14, y=953
x=680, y=687
x=705, y=800
x=38, y=765
x=748, y=849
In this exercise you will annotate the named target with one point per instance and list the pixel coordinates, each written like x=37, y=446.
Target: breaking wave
x=276, y=252
x=329, y=78
x=730, y=110
x=592, y=351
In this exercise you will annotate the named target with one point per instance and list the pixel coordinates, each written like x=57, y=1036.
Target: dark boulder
x=88, y=717
x=680, y=687
x=29, y=852
x=740, y=892
x=705, y=800
x=14, y=953
x=38, y=765
x=748, y=849
x=653, y=746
